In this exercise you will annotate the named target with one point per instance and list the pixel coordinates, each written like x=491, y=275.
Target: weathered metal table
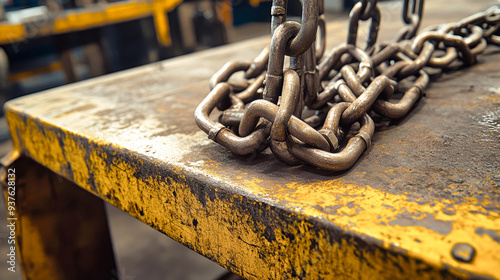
x=428, y=184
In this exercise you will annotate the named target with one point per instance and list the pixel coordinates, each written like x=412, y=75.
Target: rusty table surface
x=429, y=182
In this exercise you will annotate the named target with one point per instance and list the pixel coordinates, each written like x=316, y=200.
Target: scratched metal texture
x=429, y=181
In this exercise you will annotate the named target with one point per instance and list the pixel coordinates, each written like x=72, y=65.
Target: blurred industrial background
x=49, y=43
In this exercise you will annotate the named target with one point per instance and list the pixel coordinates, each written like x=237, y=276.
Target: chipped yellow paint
x=53, y=156
x=269, y=243
x=493, y=99
x=54, y=219
x=367, y=222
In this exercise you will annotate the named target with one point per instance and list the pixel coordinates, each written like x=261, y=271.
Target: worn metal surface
x=428, y=183
x=305, y=113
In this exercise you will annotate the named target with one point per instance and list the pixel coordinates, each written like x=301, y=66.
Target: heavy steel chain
x=319, y=110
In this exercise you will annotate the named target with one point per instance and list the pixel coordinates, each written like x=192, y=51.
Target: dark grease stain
x=428, y=221
x=333, y=209
x=290, y=236
x=494, y=234
x=388, y=206
x=269, y=234
x=66, y=170
x=479, y=212
x=314, y=245
x=449, y=209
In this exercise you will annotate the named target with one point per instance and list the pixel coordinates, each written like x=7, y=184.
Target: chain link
x=318, y=110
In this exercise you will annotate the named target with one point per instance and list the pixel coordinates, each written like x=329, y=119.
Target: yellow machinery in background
x=96, y=15
x=24, y=26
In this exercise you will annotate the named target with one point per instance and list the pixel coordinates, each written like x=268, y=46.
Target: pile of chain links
x=337, y=93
